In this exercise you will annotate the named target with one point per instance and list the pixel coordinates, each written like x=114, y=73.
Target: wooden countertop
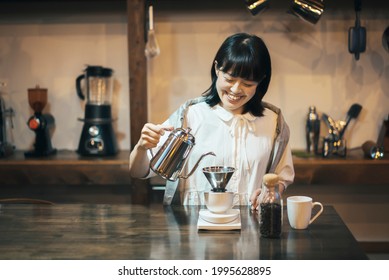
x=93, y=231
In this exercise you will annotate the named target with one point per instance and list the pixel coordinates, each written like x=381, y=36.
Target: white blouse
x=240, y=141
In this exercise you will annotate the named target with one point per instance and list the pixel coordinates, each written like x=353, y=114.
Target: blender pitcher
x=98, y=85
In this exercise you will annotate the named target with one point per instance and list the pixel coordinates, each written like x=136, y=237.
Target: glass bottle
x=312, y=130
x=271, y=207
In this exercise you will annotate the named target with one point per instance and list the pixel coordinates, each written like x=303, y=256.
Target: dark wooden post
x=138, y=84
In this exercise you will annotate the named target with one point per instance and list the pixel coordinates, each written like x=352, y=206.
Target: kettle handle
x=78, y=86
x=152, y=154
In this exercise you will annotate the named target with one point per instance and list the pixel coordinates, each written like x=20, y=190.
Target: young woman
x=231, y=120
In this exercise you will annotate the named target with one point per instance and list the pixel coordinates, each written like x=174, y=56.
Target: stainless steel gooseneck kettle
x=174, y=153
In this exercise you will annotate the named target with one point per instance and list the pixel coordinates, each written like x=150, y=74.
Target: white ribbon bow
x=239, y=128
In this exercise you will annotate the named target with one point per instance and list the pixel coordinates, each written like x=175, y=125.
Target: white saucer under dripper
x=203, y=224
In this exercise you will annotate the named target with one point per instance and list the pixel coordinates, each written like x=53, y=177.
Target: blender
x=97, y=136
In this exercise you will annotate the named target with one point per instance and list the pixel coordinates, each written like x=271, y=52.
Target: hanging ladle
x=152, y=48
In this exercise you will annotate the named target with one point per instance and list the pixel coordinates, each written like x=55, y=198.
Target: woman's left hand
x=255, y=197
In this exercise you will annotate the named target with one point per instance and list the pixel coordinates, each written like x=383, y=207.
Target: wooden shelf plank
x=65, y=168
x=65, y=157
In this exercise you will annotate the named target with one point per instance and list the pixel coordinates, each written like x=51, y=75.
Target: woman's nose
x=236, y=87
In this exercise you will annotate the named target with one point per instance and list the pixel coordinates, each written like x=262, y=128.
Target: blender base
x=235, y=224
x=102, y=143
x=97, y=135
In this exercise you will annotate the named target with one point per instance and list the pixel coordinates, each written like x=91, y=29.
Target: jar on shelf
x=271, y=215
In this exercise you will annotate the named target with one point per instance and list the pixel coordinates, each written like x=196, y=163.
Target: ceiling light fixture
x=256, y=6
x=308, y=10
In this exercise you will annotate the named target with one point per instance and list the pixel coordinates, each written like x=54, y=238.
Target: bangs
x=241, y=63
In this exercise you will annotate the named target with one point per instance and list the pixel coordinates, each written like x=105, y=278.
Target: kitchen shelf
x=66, y=168
x=67, y=177
x=354, y=169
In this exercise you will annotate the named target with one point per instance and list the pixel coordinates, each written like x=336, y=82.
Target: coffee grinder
x=40, y=123
x=97, y=136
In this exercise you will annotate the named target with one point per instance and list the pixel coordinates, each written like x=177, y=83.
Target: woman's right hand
x=149, y=138
x=151, y=133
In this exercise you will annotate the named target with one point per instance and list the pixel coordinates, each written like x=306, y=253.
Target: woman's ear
x=216, y=69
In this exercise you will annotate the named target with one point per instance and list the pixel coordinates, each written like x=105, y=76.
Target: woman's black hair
x=245, y=56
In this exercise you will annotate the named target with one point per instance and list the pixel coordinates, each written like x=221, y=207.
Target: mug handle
x=318, y=213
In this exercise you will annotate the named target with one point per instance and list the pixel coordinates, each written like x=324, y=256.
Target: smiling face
x=240, y=73
x=234, y=92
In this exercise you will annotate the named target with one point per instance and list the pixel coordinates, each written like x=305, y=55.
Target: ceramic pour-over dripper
x=218, y=176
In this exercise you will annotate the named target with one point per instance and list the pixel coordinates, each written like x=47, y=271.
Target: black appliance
x=97, y=136
x=41, y=124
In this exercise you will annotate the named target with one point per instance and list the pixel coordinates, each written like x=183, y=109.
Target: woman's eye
x=248, y=85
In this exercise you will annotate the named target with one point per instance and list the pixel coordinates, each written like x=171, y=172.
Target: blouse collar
x=226, y=116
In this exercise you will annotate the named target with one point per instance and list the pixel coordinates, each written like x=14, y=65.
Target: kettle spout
x=197, y=164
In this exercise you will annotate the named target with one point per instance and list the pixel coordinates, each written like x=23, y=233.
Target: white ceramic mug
x=219, y=202
x=300, y=211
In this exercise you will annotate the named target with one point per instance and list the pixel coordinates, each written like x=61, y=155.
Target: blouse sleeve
x=285, y=168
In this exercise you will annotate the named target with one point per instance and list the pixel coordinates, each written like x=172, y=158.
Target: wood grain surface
x=102, y=231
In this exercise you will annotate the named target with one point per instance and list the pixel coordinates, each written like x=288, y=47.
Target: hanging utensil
x=357, y=34
x=152, y=47
x=385, y=39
